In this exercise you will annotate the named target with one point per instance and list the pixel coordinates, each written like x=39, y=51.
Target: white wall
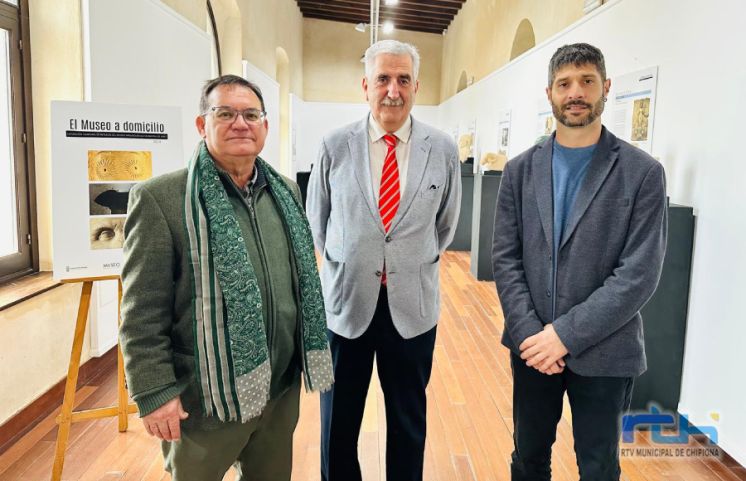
x=312, y=120
x=271, y=93
x=699, y=111
x=140, y=52
x=30, y=362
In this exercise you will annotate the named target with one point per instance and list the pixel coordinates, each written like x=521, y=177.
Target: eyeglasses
x=228, y=115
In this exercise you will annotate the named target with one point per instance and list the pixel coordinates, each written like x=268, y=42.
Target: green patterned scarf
x=231, y=353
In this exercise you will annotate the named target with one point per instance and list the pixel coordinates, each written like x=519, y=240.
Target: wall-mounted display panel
x=99, y=152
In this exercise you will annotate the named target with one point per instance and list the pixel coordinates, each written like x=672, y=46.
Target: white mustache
x=387, y=102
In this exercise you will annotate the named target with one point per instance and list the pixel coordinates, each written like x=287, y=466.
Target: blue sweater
x=569, y=166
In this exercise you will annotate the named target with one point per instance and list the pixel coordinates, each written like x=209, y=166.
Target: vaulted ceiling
x=432, y=16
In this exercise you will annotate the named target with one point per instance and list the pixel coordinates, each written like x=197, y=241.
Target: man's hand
x=543, y=351
x=165, y=422
x=556, y=368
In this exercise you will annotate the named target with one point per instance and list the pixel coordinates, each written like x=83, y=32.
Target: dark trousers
x=404, y=367
x=597, y=405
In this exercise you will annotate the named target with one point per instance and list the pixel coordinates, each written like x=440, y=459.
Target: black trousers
x=404, y=367
x=597, y=405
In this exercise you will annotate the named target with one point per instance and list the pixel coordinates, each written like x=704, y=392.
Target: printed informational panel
x=498, y=154
x=545, y=121
x=99, y=152
x=503, y=133
x=633, y=107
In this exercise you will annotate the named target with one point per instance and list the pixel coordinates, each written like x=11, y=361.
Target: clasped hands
x=544, y=351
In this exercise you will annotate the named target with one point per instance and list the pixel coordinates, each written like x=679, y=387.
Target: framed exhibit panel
x=99, y=152
x=545, y=121
x=633, y=107
x=503, y=132
x=496, y=155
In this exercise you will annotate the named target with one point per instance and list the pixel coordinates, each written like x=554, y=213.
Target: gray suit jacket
x=609, y=259
x=347, y=229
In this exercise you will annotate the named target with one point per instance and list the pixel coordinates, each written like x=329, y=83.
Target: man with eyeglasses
x=222, y=306
x=383, y=201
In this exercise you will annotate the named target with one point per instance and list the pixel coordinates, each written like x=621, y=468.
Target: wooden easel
x=67, y=416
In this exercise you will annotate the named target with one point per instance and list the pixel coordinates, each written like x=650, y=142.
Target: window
x=18, y=251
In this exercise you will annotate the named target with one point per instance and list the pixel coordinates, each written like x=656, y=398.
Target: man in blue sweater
x=580, y=235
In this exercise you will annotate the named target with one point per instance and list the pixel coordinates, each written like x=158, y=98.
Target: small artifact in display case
x=465, y=143
x=494, y=160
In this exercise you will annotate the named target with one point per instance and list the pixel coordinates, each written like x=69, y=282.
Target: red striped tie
x=389, y=197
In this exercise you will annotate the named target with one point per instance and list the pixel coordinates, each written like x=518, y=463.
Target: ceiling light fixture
x=392, y=2
x=386, y=27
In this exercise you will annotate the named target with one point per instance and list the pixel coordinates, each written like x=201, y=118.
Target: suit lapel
x=542, y=179
x=603, y=160
x=419, y=153
x=360, y=155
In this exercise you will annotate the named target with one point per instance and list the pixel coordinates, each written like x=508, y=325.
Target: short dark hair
x=576, y=54
x=233, y=80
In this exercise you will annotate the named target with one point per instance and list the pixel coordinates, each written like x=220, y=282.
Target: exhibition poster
x=496, y=156
x=632, y=107
x=503, y=133
x=544, y=120
x=99, y=152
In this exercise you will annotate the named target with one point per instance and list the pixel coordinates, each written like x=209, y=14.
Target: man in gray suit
x=383, y=201
x=580, y=234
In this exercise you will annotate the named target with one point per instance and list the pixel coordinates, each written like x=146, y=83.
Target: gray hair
x=392, y=47
x=231, y=80
x=576, y=54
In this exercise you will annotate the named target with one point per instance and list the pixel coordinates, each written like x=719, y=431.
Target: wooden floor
x=469, y=417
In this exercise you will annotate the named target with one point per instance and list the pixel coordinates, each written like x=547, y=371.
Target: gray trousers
x=261, y=449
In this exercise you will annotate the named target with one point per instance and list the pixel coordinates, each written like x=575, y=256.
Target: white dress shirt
x=378, y=149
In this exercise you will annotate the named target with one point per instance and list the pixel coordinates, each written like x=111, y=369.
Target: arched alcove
x=524, y=39
x=462, y=82
x=282, y=76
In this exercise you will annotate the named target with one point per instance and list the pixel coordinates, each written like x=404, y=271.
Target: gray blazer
x=609, y=259
x=347, y=229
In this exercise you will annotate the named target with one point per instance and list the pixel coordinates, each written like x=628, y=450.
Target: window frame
x=15, y=20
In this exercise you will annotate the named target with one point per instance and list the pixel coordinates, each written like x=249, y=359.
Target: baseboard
x=103, y=347
x=23, y=422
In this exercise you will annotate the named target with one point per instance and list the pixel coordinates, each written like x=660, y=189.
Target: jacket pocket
x=333, y=283
x=429, y=289
x=432, y=190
